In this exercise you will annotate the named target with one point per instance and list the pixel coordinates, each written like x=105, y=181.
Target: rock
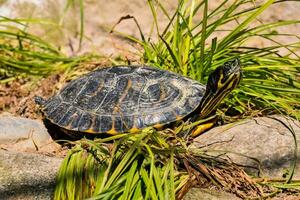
x=24, y=134
x=27, y=175
x=208, y=194
x=264, y=138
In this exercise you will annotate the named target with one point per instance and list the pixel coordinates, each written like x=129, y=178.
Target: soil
x=17, y=97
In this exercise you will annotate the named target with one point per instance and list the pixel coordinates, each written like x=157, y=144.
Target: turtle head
x=224, y=78
x=220, y=82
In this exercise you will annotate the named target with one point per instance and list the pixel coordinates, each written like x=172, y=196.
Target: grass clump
x=190, y=45
x=23, y=54
x=149, y=165
x=126, y=169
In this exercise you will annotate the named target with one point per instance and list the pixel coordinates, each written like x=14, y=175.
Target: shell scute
x=51, y=104
x=106, y=123
x=56, y=114
x=85, y=122
x=68, y=117
x=97, y=124
x=150, y=72
x=74, y=124
x=121, y=70
x=119, y=125
x=70, y=92
x=91, y=87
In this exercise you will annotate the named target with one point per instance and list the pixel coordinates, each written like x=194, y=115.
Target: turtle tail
x=40, y=100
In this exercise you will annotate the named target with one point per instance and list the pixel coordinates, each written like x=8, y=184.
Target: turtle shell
x=123, y=99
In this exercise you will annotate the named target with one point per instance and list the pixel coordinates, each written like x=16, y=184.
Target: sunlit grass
x=22, y=53
x=189, y=46
x=128, y=168
x=149, y=165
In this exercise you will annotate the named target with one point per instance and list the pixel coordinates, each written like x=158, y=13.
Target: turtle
x=129, y=98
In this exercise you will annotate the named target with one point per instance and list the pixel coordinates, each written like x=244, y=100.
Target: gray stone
x=263, y=138
x=208, y=194
x=27, y=175
x=24, y=134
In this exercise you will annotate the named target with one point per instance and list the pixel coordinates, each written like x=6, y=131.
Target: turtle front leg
x=198, y=126
x=199, y=129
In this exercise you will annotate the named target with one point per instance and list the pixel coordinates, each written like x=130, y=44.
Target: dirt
x=17, y=97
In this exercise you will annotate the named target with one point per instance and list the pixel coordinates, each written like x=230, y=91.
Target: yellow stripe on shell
x=158, y=126
x=90, y=131
x=178, y=117
x=112, y=131
x=134, y=130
